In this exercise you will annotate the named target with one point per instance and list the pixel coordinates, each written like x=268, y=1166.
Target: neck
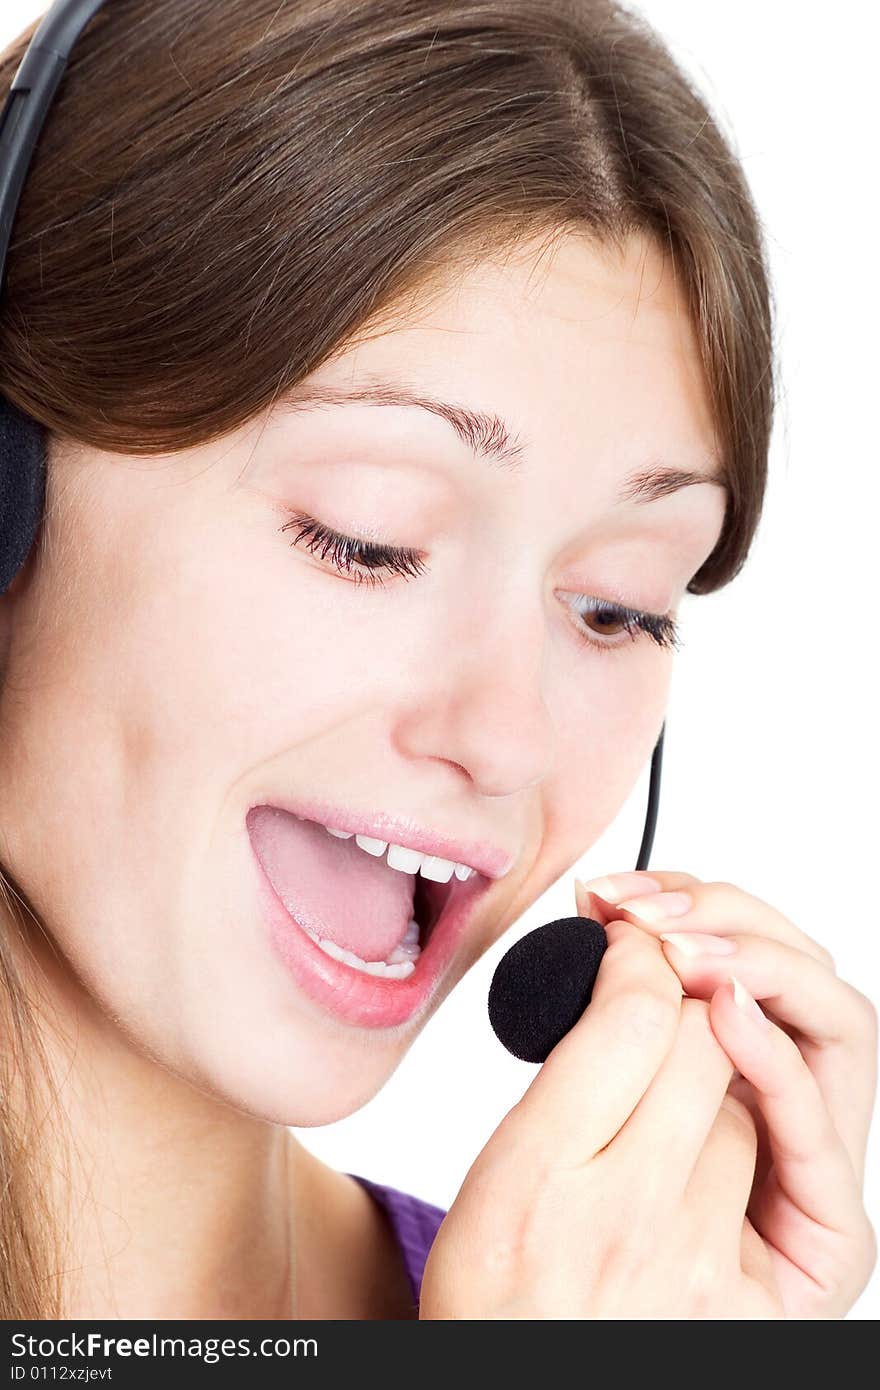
x=168, y=1203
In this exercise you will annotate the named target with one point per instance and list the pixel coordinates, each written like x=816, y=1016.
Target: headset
x=22, y=439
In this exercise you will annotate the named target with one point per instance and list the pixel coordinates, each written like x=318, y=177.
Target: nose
x=483, y=708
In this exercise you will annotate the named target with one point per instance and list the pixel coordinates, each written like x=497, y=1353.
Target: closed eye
x=359, y=559
x=364, y=561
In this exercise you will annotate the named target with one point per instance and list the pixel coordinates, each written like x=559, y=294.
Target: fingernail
x=582, y=898
x=656, y=908
x=698, y=943
x=617, y=886
x=744, y=1001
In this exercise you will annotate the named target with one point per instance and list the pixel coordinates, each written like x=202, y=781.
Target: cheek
x=605, y=747
x=176, y=669
x=605, y=743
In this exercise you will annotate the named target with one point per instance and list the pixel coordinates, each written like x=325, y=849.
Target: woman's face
x=171, y=660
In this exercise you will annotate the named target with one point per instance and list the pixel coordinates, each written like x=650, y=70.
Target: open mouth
x=429, y=902
x=374, y=912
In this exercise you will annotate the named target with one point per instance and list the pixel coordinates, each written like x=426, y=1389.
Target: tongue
x=332, y=886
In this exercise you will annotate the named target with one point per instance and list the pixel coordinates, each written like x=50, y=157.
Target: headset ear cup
x=22, y=487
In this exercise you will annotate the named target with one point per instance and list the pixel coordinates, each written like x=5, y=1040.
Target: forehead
x=571, y=281
x=568, y=340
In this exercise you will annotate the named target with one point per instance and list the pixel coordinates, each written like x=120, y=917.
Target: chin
x=298, y=1081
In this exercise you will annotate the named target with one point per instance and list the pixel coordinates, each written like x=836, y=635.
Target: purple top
x=414, y=1224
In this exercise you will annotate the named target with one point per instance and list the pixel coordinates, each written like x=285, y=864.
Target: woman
x=401, y=368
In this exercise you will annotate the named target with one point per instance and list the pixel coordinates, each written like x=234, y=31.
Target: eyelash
x=346, y=551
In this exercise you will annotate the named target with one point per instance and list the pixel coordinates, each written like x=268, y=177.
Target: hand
x=616, y=1187
x=807, y=1076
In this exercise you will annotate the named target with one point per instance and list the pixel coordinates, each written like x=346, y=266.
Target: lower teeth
x=400, y=963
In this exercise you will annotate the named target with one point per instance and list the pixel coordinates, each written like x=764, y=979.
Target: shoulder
x=414, y=1222
x=363, y=1243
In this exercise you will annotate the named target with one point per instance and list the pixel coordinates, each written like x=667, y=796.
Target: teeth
x=408, y=948
x=404, y=952
x=400, y=963
x=408, y=861
x=370, y=845
x=396, y=970
x=440, y=870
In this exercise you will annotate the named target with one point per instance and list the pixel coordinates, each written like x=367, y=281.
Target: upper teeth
x=409, y=861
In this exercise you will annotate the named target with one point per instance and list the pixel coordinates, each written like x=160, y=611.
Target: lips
x=481, y=854
x=368, y=1000
x=331, y=886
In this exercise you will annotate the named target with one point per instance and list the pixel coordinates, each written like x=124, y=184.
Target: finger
x=799, y=989
x=632, y=883
x=604, y=893
x=719, y=908
x=810, y=1161
x=597, y=1074
x=720, y=1184
x=756, y=1259
x=836, y=1020
x=591, y=905
x=743, y=1091
x=674, y=1117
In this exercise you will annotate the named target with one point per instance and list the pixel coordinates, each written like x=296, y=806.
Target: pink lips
x=368, y=1000
x=488, y=859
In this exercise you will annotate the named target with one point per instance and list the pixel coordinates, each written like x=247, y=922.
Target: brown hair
x=225, y=196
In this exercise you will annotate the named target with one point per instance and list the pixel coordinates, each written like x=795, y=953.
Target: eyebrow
x=487, y=435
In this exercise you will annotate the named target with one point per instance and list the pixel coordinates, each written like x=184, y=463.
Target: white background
x=771, y=755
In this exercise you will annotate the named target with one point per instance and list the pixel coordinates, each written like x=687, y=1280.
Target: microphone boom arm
x=653, y=802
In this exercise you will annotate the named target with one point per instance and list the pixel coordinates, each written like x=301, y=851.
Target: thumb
x=589, y=904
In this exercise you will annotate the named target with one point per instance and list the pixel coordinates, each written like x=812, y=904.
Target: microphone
x=542, y=985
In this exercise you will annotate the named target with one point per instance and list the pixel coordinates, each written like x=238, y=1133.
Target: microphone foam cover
x=542, y=985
